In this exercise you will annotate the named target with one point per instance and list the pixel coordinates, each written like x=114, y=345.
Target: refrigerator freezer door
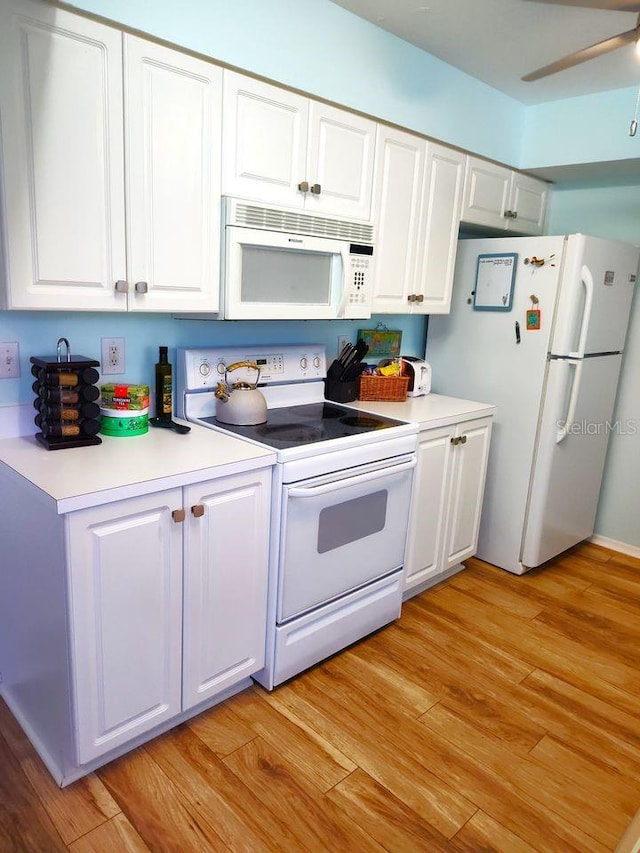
x=595, y=296
x=570, y=457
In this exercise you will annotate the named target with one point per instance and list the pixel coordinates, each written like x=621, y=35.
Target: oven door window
x=338, y=536
x=351, y=520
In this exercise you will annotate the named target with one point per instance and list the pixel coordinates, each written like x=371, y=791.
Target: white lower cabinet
x=447, y=501
x=168, y=597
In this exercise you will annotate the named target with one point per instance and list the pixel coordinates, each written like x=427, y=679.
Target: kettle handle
x=237, y=364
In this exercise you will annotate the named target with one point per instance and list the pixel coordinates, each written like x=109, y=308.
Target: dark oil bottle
x=164, y=386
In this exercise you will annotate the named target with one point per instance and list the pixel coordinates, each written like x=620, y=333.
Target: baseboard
x=614, y=545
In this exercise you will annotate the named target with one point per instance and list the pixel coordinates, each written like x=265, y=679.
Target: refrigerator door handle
x=587, y=282
x=567, y=424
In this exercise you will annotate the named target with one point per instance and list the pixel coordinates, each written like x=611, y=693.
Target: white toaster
x=419, y=373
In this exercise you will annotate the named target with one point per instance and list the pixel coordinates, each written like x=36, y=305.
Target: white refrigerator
x=537, y=327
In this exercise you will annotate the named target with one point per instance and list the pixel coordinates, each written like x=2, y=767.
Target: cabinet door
x=468, y=471
x=438, y=232
x=486, y=193
x=398, y=186
x=125, y=592
x=340, y=162
x=225, y=583
x=62, y=146
x=173, y=116
x=264, y=141
x=529, y=203
x=429, y=504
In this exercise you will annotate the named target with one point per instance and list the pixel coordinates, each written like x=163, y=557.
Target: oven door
x=342, y=531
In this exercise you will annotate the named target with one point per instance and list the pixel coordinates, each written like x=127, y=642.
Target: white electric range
x=340, y=503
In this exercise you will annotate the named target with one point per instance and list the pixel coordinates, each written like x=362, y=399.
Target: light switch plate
x=9, y=360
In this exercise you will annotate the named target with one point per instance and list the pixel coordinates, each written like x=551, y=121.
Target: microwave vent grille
x=291, y=222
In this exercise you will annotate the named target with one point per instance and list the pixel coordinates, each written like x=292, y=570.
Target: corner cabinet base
x=65, y=771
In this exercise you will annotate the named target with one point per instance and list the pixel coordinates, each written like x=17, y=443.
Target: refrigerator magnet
x=533, y=319
x=495, y=279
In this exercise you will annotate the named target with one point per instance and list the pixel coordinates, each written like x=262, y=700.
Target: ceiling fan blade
x=583, y=55
x=611, y=5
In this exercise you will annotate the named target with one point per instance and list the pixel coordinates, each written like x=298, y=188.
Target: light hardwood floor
x=501, y=713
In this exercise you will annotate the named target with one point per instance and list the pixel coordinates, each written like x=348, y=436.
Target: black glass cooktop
x=292, y=426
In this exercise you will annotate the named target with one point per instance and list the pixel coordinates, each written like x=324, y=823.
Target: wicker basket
x=392, y=389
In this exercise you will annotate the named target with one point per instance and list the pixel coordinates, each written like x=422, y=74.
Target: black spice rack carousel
x=66, y=394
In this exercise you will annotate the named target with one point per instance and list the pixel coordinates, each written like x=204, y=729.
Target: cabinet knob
x=303, y=186
x=316, y=189
x=141, y=287
x=197, y=511
x=463, y=439
x=411, y=297
x=178, y=515
x=514, y=214
x=419, y=297
x=122, y=286
x=455, y=439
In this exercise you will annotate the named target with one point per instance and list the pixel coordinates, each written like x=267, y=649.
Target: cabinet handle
x=122, y=286
x=141, y=287
x=303, y=186
x=316, y=189
x=178, y=515
x=197, y=510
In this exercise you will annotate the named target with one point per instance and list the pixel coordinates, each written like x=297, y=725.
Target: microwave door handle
x=344, y=286
x=347, y=482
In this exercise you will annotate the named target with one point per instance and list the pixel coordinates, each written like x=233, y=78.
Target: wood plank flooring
x=501, y=713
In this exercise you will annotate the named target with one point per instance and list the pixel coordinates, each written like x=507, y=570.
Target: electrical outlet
x=9, y=360
x=112, y=356
x=342, y=341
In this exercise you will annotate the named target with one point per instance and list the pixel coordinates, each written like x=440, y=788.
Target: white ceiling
x=498, y=41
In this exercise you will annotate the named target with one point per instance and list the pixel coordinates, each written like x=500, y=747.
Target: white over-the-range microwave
x=282, y=264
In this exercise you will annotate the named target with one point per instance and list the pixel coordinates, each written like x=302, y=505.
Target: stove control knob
x=221, y=368
x=304, y=363
x=316, y=362
x=205, y=368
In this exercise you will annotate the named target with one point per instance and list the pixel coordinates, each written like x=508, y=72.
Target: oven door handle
x=347, y=482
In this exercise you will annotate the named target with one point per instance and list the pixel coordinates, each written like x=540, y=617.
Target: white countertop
x=432, y=410
x=118, y=468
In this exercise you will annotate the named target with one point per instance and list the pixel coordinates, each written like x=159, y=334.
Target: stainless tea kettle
x=241, y=403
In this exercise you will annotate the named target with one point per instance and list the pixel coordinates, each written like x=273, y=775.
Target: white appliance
x=285, y=265
x=419, y=373
x=341, y=496
x=554, y=386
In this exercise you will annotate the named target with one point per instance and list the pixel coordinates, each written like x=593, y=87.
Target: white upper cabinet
x=418, y=191
x=284, y=149
x=500, y=198
x=438, y=231
x=173, y=105
x=70, y=112
x=62, y=158
x=400, y=159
